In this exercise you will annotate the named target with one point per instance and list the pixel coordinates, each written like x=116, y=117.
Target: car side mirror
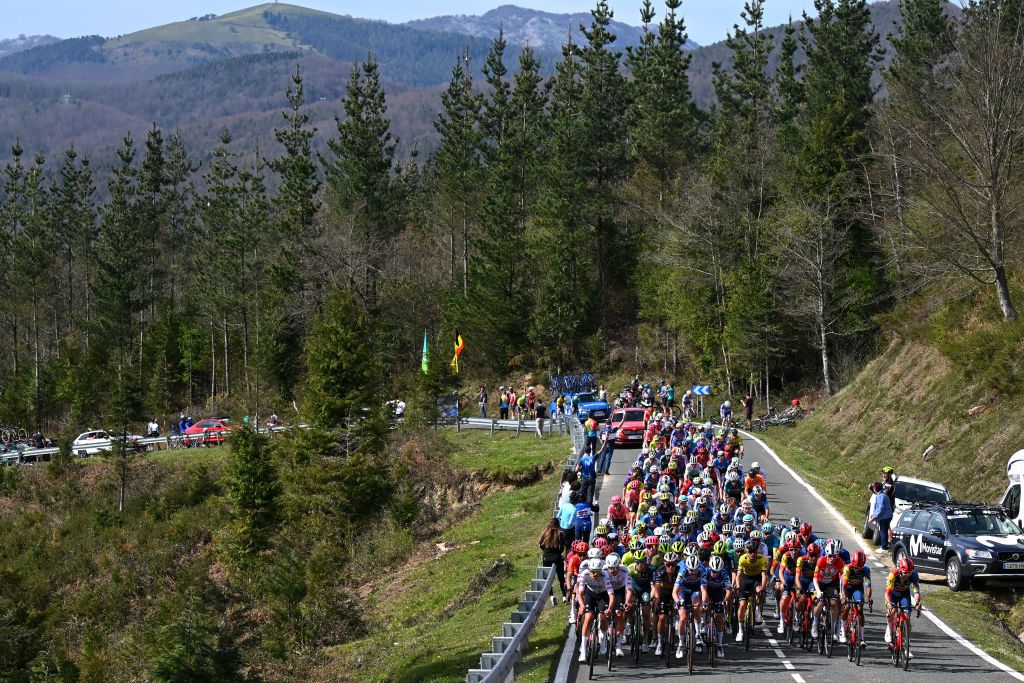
x=936, y=531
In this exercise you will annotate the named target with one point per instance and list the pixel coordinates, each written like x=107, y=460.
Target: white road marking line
x=780, y=654
x=945, y=628
x=773, y=642
x=789, y=665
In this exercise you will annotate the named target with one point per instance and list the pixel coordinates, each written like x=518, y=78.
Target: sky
x=707, y=20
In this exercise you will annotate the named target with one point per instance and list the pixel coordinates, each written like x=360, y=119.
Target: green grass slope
x=244, y=26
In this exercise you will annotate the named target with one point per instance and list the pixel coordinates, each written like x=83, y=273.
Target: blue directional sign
x=701, y=390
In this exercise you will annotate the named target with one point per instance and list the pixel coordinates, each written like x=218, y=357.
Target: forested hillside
x=591, y=220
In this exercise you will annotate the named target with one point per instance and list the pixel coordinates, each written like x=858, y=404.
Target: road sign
x=701, y=390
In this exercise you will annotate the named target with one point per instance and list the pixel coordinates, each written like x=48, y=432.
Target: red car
x=215, y=430
x=628, y=424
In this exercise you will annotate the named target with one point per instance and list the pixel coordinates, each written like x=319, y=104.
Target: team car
x=628, y=426
x=590, y=406
x=906, y=491
x=965, y=542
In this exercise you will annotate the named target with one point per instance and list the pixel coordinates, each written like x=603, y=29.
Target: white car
x=91, y=442
x=908, y=491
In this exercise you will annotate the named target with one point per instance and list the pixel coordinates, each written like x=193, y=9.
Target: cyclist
x=855, y=584
x=716, y=589
x=903, y=591
x=754, y=478
x=594, y=588
x=826, y=585
x=784, y=567
x=640, y=585
x=759, y=502
x=726, y=413
x=805, y=566
x=619, y=580
x=736, y=441
x=751, y=577
x=664, y=578
x=573, y=562
x=618, y=514
x=687, y=593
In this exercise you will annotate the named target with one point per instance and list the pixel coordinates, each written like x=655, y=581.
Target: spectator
x=552, y=549
x=586, y=467
x=153, y=428
x=540, y=410
x=182, y=424
x=566, y=489
x=482, y=399
x=560, y=404
x=567, y=520
x=575, y=404
x=881, y=514
x=889, y=477
x=590, y=431
x=748, y=410
x=602, y=394
x=670, y=399
x=604, y=462
x=503, y=405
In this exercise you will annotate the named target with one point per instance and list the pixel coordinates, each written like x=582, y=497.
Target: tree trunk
x=213, y=360
x=227, y=361
x=122, y=465
x=826, y=370
x=245, y=349
x=1003, y=292
x=35, y=336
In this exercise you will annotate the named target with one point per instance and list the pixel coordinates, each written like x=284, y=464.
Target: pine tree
x=74, y=216
x=254, y=490
x=743, y=92
x=925, y=40
x=789, y=90
x=289, y=295
x=360, y=173
x=457, y=164
x=11, y=222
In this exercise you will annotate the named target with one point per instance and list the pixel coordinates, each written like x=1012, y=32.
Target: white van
x=1011, y=499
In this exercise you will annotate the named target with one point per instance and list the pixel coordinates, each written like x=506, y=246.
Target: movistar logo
x=919, y=547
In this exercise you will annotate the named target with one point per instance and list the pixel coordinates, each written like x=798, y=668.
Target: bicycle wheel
x=905, y=643
x=611, y=640
x=712, y=644
x=895, y=646
x=634, y=647
x=851, y=635
x=829, y=632
x=670, y=640
x=592, y=648
x=859, y=631
x=691, y=638
x=748, y=624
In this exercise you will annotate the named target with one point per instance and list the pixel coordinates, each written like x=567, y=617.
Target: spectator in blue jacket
x=881, y=513
x=567, y=520
x=587, y=469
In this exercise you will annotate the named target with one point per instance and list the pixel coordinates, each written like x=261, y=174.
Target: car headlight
x=978, y=554
x=621, y=434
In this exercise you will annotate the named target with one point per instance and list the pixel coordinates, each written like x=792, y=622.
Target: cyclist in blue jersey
x=716, y=589
x=687, y=595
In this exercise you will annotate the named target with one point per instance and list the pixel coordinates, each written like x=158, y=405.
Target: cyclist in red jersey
x=826, y=584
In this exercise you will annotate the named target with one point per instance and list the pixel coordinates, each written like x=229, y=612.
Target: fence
x=33, y=455
x=508, y=648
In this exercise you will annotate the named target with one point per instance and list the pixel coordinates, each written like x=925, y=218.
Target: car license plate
x=1013, y=565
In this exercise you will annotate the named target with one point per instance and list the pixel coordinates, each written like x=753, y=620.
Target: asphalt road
x=937, y=656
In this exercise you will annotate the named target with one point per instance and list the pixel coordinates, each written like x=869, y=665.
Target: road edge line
x=943, y=626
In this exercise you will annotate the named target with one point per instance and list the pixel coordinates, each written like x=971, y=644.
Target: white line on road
x=789, y=665
x=945, y=628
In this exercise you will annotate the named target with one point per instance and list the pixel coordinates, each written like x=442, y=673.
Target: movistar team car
x=965, y=542
x=590, y=406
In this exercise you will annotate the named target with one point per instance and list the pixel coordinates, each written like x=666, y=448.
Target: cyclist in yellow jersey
x=751, y=577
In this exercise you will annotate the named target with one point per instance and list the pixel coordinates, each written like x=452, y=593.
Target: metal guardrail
x=33, y=455
x=507, y=649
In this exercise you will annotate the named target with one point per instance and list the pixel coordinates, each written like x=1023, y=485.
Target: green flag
x=425, y=363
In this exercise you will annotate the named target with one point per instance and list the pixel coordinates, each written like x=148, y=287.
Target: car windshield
x=634, y=415
x=977, y=522
x=585, y=397
x=918, y=493
x=207, y=423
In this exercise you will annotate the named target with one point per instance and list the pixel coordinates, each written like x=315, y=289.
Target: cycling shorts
x=788, y=581
x=854, y=593
x=688, y=597
x=665, y=603
x=806, y=585
x=900, y=598
x=594, y=601
x=716, y=595
x=829, y=589
x=748, y=585
x=620, y=597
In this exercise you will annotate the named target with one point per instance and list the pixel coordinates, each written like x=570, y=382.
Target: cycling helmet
x=601, y=530
x=655, y=562
x=600, y=542
x=748, y=520
x=613, y=561
x=653, y=469
x=612, y=536
x=733, y=475
x=747, y=504
x=663, y=548
x=651, y=542
x=703, y=537
x=858, y=560
x=673, y=465
x=636, y=569
x=596, y=565
x=616, y=500
x=658, y=531
x=756, y=535
x=754, y=466
x=634, y=485
x=705, y=492
x=838, y=545
x=724, y=508
x=790, y=537
x=757, y=491
x=665, y=495
x=594, y=553
x=794, y=522
x=691, y=515
x=727, y=529
x=739, y=546
x=702, y=502
x=677, y=547
x=805, y=529
x=671, y=558
x=675, y=521
x=728, y=404
x=689, y=550
x=814, y=549
x=767, y=528
x=830, y=548
x=652, y=510
x=906, y=565
x=716, y=563
x=720, y=548
x=580, y=547
x=709, y=527
x=692, y=563
x=636, y=545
